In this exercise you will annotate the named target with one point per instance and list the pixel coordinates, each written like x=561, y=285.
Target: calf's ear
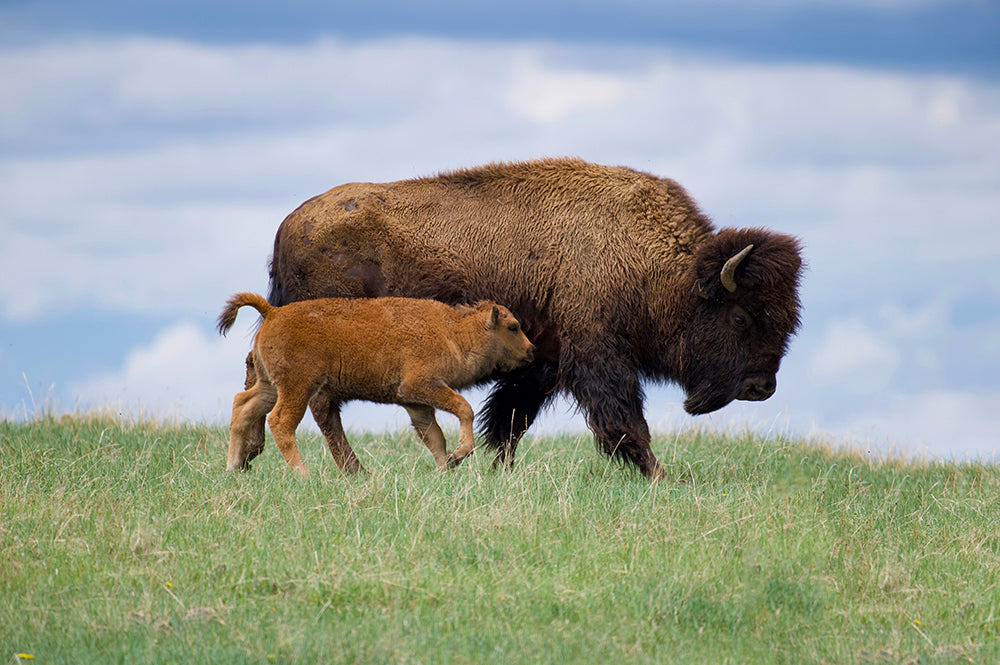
x=495, y=317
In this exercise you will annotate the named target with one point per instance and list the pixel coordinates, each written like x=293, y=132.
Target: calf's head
x=745, y=310
x=509, y=344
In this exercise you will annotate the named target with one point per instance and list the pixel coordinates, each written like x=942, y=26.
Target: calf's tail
x=228, y=316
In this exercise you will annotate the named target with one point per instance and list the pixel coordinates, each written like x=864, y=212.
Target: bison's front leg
x=611, y=397
x=515, y=402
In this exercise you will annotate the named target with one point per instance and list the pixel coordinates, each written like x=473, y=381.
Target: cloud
x=135, y=258
x=853, y=356
x=551, y=96
x=182, y=373
x=940, y=424
x=135, y=153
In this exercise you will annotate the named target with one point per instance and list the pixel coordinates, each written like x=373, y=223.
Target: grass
x=126, y=542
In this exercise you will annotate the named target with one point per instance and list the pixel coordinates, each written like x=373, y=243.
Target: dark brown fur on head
x=735, y=339
x=770, y=273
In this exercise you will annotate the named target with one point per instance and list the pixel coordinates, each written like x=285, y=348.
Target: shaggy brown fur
x=615, y=275
x=392, y=350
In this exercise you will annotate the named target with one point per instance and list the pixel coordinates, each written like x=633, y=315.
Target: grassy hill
x=126, y=542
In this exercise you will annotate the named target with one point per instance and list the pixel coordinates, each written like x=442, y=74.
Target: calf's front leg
x=429, y=431
x=438, y=395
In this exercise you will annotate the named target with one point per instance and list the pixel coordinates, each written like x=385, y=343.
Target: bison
x=392, y=350
x=615, y=274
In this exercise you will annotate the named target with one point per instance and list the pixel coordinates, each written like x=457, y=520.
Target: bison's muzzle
x=706, y=397
x=758, y=388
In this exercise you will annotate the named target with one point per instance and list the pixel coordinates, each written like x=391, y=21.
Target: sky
x=149, y=151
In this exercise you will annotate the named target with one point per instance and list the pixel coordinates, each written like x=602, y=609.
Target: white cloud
x=853, y=356
x=551, y=96
x=223, y=141
x=182, y=373
x=941, y=424
x=149, y=259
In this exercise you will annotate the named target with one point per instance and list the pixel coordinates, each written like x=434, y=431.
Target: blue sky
x=147, y=157
x=942, y=35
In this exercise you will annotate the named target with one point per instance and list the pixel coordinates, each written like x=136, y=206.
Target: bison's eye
x=739, y=319
x=512, y=327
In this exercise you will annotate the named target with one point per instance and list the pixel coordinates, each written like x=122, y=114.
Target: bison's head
x=745, y=310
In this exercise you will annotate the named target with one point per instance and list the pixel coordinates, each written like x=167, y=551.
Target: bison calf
x=404, y=351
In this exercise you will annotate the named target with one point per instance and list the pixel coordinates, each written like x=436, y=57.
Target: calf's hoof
x=455, y=458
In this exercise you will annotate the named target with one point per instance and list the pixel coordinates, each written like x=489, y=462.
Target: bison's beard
x=705, y=398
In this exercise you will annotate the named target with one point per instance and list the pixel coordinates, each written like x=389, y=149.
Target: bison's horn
x=728, y=275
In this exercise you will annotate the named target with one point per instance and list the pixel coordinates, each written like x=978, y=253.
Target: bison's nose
x=757, y=388
x=530, y=353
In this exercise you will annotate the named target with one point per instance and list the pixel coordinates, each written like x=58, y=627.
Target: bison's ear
x=703, y=287
x=495, y=317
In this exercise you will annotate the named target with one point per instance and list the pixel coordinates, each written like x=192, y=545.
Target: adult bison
x=615, y=275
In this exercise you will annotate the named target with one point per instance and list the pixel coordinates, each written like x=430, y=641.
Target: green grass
x=126, y=542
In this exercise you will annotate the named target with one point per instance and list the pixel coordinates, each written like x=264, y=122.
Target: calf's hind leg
x=326, y=411
x=286, y=416
x=429, y=431
x=254, y=440
x=249, y=408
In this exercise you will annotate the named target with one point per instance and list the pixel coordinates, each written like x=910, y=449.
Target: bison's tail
x=228, y=316
x=277, y=295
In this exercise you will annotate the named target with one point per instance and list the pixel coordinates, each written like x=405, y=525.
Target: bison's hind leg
x=515, y=402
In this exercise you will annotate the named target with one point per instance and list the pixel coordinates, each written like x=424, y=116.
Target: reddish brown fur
x=614, y=274
x=404, y=351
